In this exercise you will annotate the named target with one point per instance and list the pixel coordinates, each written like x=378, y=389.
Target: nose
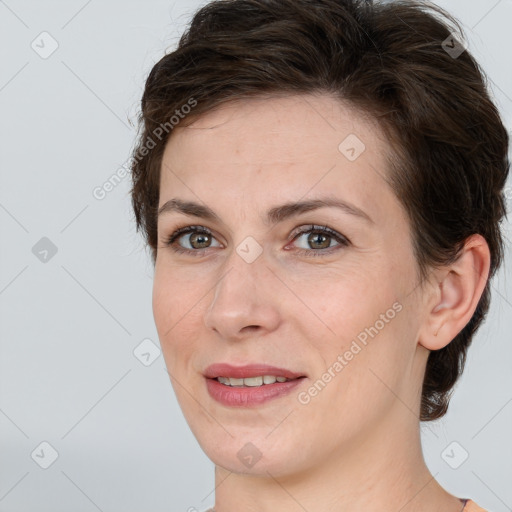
x=244, y=302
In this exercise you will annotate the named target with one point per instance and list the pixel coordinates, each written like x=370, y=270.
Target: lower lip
x=248, y=396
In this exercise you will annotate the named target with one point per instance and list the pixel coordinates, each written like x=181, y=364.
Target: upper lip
x=250, y=370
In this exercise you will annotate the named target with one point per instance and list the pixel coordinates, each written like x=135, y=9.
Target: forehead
x=281, y=122
x=284, y=147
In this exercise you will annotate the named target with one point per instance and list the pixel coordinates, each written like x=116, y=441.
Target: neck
x=384, y=471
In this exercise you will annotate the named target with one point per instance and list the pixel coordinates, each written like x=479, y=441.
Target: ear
x=458, y=288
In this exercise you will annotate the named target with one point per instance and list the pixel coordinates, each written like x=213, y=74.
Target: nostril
x=251, y=327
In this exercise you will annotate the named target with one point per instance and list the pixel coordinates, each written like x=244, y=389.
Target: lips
x=247, y=371
x=245, y=389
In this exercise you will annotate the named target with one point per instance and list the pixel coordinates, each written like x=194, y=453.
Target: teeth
x=251, y=381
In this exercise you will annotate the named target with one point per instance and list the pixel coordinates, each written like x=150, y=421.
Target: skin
x=356, y=444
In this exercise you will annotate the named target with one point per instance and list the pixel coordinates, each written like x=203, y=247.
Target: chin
x=256, y=453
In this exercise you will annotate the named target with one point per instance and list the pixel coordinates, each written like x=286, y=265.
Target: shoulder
x=471, y=506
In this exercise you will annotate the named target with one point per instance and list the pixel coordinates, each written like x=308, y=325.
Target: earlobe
x=457, y=294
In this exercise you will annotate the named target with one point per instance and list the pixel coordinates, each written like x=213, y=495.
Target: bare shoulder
x=471, y=506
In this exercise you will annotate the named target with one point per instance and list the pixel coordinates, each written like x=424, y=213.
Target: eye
x=196, y=238
x=319, y=239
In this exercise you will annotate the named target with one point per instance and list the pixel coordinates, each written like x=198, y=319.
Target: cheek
x=372, y=360
x=163, y=302
x=173, y=295
x=175, y=310
x=368, y=337
x=349, y=301
x=356, y=384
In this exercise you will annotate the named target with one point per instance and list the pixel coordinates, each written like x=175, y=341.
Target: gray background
x=70, y=322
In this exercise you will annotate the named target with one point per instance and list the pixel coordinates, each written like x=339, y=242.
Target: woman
x=321, y=185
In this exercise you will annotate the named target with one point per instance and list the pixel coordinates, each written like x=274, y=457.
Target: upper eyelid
x=186, y=230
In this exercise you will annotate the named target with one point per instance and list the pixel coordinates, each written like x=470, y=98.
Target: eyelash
x=324, y=230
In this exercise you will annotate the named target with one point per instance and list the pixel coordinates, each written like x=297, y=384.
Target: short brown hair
x=391, y=60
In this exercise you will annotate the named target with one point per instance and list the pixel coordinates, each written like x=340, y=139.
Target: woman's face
x=341, y=309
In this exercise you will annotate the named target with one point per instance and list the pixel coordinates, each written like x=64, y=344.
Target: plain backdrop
x=88, y=418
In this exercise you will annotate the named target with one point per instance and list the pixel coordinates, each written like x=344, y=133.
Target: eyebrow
x=275, y=214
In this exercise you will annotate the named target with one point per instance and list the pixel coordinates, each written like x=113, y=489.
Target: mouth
x=251, y=384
